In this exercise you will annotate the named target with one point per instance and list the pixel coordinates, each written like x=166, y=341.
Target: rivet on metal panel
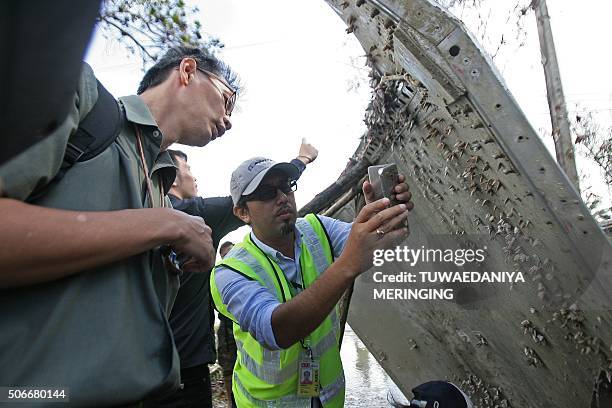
x=454, y=50
x=522, y=139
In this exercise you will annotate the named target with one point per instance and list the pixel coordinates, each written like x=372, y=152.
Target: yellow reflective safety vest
x=269, y=378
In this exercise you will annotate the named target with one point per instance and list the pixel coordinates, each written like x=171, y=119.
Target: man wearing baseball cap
x=281, y=285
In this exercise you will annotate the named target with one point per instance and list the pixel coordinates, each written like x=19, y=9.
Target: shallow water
x=367, y=384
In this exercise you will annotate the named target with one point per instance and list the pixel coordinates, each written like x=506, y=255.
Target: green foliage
x=151, y=26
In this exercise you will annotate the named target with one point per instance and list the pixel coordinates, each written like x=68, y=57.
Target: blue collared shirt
x=251, y=303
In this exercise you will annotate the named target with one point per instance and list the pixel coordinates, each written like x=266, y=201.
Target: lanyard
x=306, y=341
x=145, y=168
x=168, y=255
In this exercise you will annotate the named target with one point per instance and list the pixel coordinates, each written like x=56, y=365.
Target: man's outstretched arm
x=42, y=244
x=295, y=319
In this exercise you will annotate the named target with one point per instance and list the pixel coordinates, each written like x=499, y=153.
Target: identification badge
x=308, y=378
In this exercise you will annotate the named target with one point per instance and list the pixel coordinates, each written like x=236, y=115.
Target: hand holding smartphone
x=383, y=179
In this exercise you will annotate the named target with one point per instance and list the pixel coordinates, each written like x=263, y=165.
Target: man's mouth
x=284, y=213
x=220, y=131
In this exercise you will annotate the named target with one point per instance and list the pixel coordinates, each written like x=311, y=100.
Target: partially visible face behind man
x=185, y=183
x=275, y=217
x=224, y=250
x=204, y=110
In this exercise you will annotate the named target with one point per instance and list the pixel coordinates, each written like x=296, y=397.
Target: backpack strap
x=97, y=131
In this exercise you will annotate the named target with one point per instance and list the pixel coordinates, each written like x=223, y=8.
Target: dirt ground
x=218, y=390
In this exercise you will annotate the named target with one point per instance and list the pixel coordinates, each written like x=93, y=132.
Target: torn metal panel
x=478, y=171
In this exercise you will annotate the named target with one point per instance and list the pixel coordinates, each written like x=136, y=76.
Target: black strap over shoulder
x=97, y=131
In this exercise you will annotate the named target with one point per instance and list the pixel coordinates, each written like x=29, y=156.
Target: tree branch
x=130, y=36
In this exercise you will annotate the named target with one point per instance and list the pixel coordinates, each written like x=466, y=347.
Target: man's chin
x=196, y=141
x=287, y=227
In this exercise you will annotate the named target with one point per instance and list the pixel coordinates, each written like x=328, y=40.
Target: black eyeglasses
x=229, y=95
x=268, y=192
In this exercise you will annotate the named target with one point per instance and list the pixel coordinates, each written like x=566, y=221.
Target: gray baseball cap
x=246, y=178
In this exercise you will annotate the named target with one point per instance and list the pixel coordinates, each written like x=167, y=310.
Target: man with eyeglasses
x=281, y=285
x=192, y=315
x=86, y=280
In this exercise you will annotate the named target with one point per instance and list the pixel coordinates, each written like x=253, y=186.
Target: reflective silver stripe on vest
x=315, y=247
x=329, y=392
x=244, y=256
x=325, y=343
x=269, y=371
x=254, y=402
x=290, y=401
x=334, y=321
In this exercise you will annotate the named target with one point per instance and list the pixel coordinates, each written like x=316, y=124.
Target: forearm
x=42, y=244
x=297, y=318
x=216, y=211
x=219, y=216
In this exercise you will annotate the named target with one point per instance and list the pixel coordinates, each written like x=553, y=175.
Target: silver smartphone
x=383, y=179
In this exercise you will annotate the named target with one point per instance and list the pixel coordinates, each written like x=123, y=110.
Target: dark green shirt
x=103, y=332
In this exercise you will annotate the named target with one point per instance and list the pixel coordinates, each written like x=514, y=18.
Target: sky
x=301, y=69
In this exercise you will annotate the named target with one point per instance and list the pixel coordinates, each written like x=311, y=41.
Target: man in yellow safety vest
x=281, y=285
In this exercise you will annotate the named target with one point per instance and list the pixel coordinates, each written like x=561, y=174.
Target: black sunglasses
x=268, y=192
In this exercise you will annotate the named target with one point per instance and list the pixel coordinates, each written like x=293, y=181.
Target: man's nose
x=280, y=196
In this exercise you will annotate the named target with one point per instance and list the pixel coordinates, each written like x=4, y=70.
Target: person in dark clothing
x=192, y=316
x=226, y=349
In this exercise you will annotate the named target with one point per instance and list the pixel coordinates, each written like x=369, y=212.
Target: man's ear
x=243, y=214
x=187, y=70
